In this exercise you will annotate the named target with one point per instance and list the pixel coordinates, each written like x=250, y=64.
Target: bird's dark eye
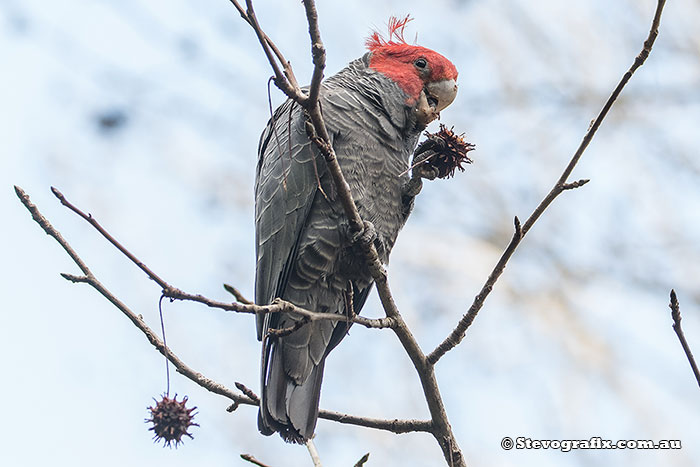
x=421, y=63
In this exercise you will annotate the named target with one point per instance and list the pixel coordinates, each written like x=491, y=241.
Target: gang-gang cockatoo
x=374, y=110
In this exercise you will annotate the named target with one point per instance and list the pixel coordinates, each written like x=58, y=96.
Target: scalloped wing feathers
x=304, y=254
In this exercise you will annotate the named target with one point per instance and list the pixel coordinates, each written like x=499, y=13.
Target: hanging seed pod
x=171, y=420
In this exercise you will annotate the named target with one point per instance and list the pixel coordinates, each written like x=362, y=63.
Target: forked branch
x=247, y=397
x=561, y=185
x=242, y=306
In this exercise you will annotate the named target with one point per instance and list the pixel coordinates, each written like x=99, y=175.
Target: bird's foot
x=366, y=236
x=421, y=169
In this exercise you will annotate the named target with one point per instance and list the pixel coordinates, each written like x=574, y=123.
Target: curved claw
x=367, y=236
x=426, y=171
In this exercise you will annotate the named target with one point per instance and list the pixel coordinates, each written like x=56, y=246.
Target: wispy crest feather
x=396, y=27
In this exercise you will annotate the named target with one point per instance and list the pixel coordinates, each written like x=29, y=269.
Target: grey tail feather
x=285, y=407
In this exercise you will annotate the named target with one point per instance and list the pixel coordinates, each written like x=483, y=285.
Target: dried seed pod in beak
x=444, y=152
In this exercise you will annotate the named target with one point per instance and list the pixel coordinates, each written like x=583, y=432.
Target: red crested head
x=412, y=67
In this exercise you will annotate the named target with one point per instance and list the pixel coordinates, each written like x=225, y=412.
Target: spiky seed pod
x=171, y=420
x=444, y=151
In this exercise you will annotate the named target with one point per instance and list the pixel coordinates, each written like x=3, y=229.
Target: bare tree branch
x=248, y=392
x=395, y=426
x=286, y=65
x=244, y=305
x=676, y=315
x=561, y=185
x=138, y=321
x=248, y=397
x=88, y=217
x=315, y=458
x=285, y=80
x=318, y=51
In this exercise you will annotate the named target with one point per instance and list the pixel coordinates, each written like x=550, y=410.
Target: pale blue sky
x=574, y=342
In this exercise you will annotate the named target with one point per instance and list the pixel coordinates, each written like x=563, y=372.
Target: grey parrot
x=374, y=110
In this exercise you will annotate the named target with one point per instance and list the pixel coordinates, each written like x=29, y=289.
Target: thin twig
x=88, y=217
x=285, y=64
x=561, y=185
x=248, y=392
x=676, y=315
x=362, y=461
x=253, y=460
x=282, y=332
x=318, y=51
x=48, y=228
x=152, y=337
x=315, y=458
x=284, y=80
x=237, y=294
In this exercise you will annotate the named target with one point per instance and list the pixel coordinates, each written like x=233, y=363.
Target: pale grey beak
x=440, y=94
x=433, y=98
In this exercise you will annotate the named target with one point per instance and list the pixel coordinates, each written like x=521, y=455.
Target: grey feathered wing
x=297, y=239
x=285, y=185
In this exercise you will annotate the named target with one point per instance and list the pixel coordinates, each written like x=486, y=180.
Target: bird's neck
x=380, y=92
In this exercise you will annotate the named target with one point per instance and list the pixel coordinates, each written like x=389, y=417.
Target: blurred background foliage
x=147, y=115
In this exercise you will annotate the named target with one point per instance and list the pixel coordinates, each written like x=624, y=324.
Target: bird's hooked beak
x=435, y=97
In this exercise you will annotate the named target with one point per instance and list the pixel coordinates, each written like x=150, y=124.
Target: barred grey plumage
x=304, y=253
